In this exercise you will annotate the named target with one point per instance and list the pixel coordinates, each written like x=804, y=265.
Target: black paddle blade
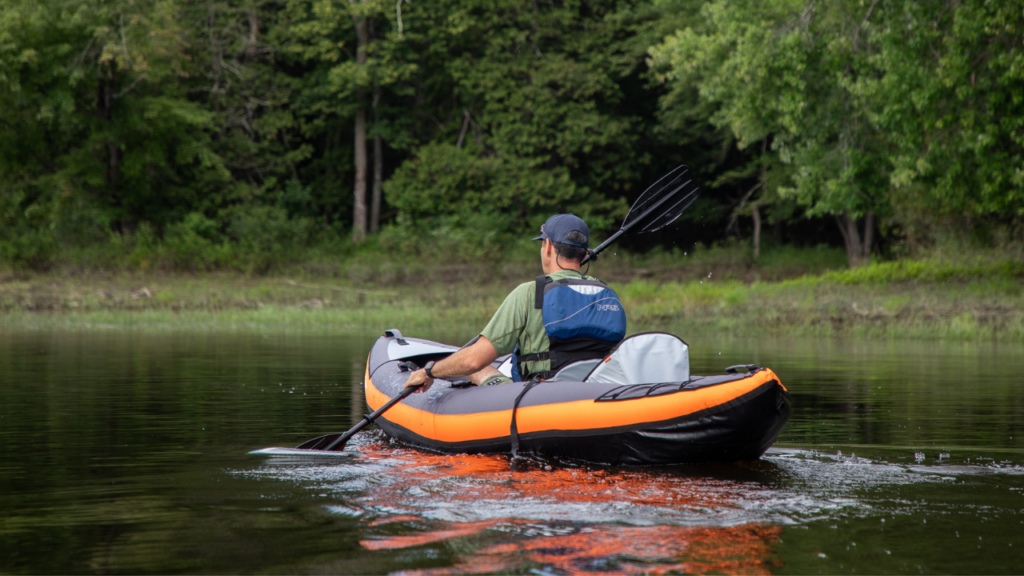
x=320, y=442
x=663, y=201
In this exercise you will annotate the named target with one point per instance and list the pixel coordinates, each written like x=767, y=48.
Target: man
x=548, y=332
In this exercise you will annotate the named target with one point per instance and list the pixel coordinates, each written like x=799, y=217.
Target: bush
x=25, y=247
x=195, y=244
x=265, y=236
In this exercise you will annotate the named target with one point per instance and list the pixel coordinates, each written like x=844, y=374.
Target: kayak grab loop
x=739, y=367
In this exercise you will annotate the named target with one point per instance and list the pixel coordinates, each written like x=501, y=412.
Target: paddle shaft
x=625, y=228
x=340, y=442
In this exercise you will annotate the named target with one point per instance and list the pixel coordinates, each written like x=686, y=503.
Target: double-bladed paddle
x=657, y=207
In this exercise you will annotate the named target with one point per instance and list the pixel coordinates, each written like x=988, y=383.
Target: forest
x=192, y=135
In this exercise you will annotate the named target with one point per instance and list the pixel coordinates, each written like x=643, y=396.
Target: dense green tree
x=96, y=132
x=118, y=115
x=949, y=98
x=779, y=74
x=523, y=112
x=873, y=106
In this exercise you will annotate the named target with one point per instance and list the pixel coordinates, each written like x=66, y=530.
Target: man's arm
x=462, y=363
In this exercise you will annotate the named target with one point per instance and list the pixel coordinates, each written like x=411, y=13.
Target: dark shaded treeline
x=203, y=134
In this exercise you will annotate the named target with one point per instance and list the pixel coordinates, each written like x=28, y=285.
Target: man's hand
x=419, y=377
x=466, y=361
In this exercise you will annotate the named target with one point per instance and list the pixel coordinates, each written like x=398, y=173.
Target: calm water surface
x=127, y=453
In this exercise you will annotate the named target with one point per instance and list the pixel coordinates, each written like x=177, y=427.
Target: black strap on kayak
x=514, y=430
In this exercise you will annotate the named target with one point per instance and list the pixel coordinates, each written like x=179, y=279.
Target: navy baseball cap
x=559, y=225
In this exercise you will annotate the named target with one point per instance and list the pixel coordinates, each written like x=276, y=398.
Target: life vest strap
x=535, y=357
x=538, y=297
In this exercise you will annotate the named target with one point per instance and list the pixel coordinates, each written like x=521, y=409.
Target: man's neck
x=549, y=271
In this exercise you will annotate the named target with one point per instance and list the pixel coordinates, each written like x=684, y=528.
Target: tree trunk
x=756, y=212
x=359, y=211
x=105, y=109
x=378, y=167
x=254, y=29
x=869, y=234
x=858, y=251
x=757, y=229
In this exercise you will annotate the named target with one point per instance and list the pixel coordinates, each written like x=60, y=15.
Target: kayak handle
x=744, y=367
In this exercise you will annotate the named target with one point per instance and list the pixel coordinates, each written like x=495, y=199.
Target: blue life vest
x=583, y=319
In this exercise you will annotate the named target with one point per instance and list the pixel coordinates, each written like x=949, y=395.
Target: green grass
x=982, y=298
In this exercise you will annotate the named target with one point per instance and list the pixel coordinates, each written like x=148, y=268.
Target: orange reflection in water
x=493, y=479
x=594, y=548
x=614, y=549
x=455, y=531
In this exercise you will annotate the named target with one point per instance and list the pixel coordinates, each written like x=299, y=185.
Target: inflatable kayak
x=638, y=406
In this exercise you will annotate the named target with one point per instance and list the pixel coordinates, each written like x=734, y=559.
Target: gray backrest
x=649, y=358
x=576, y=371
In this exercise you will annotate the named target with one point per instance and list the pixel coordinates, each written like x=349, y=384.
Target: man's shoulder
x=524, y=288
x=522, y=293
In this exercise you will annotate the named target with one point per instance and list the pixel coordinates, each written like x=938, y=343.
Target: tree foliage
x=223, y=129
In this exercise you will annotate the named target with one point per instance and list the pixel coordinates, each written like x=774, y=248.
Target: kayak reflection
x=608, y=549
x=565, y=517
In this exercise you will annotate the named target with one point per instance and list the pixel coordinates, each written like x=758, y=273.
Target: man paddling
x=581, y=318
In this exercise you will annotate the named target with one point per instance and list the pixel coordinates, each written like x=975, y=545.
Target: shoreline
x=894, y=300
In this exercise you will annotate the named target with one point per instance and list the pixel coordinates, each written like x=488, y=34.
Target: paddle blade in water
x=303, y=453
x=319, y=443
x=663, y=201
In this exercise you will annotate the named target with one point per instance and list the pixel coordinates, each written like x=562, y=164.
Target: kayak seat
x=647, y=358
x=576, y=371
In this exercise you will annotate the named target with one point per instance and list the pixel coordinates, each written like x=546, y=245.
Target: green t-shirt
x=518, y=322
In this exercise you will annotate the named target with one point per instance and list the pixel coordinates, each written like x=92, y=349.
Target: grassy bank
x=980, y=298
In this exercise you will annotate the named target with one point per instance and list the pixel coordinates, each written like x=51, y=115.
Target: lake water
x=127, y=453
